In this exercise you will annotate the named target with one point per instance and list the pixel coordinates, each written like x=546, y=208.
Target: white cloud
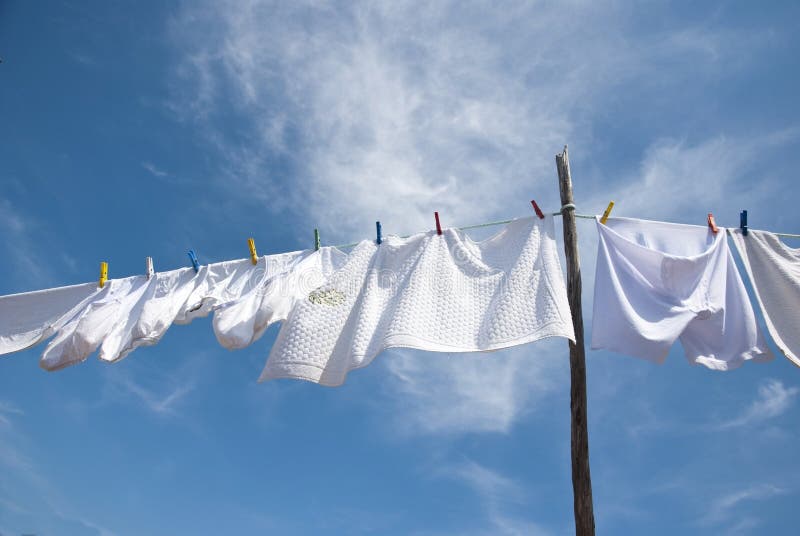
x=468, y=393
x=773, y=400
x=155, y=171
x=391, y=111
x=163, y=401
x=720, y=510
x=496, y=491
x=682, y=181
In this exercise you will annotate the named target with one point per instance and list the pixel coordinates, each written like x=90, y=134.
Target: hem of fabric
x=741, y=249
x=754, y=354
x=659, y=359
x=336, y=377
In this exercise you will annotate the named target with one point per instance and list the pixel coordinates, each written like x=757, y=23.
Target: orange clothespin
x=712, y=224
x=103, y=274
x=604, y=217
x=537, y=209
x=253, y=255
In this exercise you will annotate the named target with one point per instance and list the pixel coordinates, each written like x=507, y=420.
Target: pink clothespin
x=712, y=224
x=537, y=209
x=438, y=225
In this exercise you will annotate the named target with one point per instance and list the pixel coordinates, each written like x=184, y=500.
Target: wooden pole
x=581, y=478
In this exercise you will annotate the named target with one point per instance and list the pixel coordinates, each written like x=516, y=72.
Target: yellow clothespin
x=253, y=255
x=604, y=218
x=103, y=274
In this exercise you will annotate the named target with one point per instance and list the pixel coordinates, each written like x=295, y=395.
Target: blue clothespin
x=378, y=229
x=316, y=239
x=195, y=263
x=743, y=222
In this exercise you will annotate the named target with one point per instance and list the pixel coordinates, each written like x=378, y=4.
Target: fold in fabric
x=136, y=311
x=32, y=317
x=443, y=293
x=656, y=282
x=774, y=270
x=241, y=322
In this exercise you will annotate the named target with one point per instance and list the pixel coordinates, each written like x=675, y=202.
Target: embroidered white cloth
x=657, y=282
x=441, y=293
x=241, y=322
x=774, y=271
x=31, y=317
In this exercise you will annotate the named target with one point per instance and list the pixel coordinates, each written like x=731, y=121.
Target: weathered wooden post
x=581, y=478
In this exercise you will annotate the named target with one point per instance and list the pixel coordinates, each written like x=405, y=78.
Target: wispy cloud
x=496, y=491
x=674, y=174
x=721, y=510
x=165, y=401
x=445, y=395
x=393, y=110
x=8, y=409
x=155, y=171
x=773, y=400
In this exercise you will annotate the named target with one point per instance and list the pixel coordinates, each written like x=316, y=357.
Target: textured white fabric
x=656, y=282
x=774, y=271
x=243, y=321
x=32, y=317
x=442, y=293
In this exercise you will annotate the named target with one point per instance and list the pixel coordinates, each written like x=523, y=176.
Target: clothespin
x=712, y=224
x=103, y=274
x=378, y=231
x=537, y=209
x=193, y=258
x=604, y=217
x=148, y=266
x=743, y=222
x=438, y=225
x=316, y=239
x=253, y=255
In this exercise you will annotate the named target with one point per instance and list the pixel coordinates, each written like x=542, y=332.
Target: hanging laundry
x=151, y=315
x=29, y=318
x=81, y=336
x=224, y=282
x=137, y=311
x=656, y=282
x=774, y=271
x=443, y=293
x=241, y=322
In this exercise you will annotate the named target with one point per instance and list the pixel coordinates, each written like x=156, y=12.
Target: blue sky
x=130, y=131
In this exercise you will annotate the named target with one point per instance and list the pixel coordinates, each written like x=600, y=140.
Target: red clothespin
x=712, y=224
x=537, y=209
x=438, y=225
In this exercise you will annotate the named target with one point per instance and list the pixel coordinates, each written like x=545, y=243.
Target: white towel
x=774, y=271
x=656, y=282
x=441, y=293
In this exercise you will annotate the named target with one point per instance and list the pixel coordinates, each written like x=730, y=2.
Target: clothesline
x=504, y=222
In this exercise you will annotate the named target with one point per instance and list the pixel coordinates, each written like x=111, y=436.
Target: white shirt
x=657, y=282
x=442, y=293
x=774, y=271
